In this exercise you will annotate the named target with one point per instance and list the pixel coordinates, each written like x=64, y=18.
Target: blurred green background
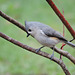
x=17, y=61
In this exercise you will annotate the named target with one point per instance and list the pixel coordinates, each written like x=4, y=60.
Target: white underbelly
x=47, y=41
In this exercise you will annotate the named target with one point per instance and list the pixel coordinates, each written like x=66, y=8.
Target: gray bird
x=45, y=35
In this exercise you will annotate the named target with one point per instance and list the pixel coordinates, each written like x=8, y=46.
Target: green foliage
x=15, y=60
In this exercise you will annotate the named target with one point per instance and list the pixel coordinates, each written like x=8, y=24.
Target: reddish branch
x=58, y=61
x=63, y=36
x=64, y=21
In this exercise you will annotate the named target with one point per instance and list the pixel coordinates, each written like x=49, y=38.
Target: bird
x=45, y=35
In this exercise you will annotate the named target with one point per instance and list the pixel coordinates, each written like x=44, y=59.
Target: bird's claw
x=52, y=56
x=37, y=50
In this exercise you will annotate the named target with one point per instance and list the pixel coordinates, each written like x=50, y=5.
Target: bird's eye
x=29, y=30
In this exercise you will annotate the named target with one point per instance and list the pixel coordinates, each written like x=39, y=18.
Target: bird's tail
x=71, y=44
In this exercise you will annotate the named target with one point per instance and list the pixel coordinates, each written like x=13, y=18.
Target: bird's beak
x=28, y=34
x=26, y=29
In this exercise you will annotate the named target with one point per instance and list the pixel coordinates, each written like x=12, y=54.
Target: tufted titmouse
x=45, y=35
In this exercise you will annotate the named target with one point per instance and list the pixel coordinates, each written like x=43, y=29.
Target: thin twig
x=63, y=35
x=44, y=54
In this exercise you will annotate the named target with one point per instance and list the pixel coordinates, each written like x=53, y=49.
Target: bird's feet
x=52, y=53
x=52, y=56
x=37, y=50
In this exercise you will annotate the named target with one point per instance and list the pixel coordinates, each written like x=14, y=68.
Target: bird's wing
x=52, y=33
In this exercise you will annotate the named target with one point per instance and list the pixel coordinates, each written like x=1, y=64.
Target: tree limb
x=13, y=21
x=62, y=18
x=66, y=54
x=44, y=54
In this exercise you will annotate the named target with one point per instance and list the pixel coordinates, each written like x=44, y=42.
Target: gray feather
x=53, y=33
x=50, y=32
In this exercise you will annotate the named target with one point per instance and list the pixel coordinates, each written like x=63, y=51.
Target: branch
x=14, y=22
x=44, y=54
x=64, y=53
x=64, y=21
